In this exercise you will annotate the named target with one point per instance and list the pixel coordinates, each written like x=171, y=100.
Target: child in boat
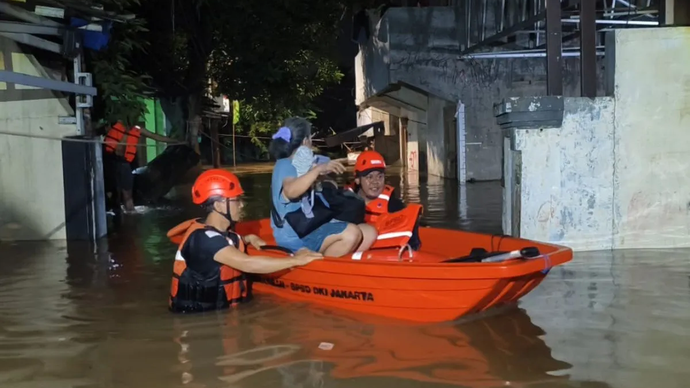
x=370, y=184
x=210, y=264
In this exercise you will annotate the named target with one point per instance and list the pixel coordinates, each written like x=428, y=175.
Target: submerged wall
x=615, y=173
x=32, y=203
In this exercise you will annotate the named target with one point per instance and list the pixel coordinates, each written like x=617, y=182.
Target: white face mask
x=303, y=159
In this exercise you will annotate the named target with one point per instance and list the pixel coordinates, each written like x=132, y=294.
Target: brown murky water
x=95, y=316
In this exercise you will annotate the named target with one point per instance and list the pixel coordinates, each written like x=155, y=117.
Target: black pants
x=119, y=174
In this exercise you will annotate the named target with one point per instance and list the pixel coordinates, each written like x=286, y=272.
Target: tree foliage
x=121, y=86
x=273, y=56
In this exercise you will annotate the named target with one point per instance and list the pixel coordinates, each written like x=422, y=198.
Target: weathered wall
x=435, y=145
x=615, y=174
x=421, y=49
x=652, y=129
x=416, y=127
x=31, y=187
x=372, y=61
x=567, y=173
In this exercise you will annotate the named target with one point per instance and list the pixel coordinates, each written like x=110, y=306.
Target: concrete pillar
x=589, y=174
x=675, y=12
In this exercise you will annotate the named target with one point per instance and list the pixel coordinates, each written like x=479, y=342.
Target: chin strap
x=227, y=215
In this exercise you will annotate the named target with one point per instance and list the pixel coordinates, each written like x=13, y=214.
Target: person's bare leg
x=369, y=234
x=343, y=243
x=127, y=200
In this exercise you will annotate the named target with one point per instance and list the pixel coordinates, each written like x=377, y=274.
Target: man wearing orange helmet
x=370, y=184
x=210, y=264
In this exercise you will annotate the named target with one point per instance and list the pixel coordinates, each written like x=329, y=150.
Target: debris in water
x=326, y=346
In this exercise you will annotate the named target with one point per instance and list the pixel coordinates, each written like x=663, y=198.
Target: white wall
x=567, y=176
x=31, y=186
x=616, y=174
x=652, y=184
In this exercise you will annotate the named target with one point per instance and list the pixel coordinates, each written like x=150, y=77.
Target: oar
x=480, y=255
x=527, y=253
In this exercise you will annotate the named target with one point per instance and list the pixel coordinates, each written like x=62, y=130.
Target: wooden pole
x=232, y=121
x=215, y=144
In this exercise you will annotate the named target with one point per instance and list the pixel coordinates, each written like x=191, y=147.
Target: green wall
x=154, y=121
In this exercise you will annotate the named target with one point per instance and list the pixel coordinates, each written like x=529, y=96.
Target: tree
x=121, y=86
x=273, y=56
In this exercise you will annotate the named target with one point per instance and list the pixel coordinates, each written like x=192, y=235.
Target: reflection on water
x=83, y=316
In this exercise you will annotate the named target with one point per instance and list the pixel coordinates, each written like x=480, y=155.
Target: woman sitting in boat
x=210, y=264
x=370, y=184
x=300, y=217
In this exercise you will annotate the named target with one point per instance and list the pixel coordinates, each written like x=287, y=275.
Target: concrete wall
x=435, y=139
x=31, y=187
x=566, y=178
x=416, y=127
x=652, y=128
x=615, y=174
x=419, y=46
x=372, y=62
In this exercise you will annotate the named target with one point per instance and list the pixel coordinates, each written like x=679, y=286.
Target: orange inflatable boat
x=455, y=273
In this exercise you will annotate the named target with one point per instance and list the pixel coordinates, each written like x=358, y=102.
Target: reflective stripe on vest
x=227, y=288
x=118, y=134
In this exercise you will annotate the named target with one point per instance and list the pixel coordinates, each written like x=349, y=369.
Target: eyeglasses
x=374, y=177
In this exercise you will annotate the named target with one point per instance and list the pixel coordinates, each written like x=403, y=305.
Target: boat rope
x=500, y=240
x=57, y=138
x=547, y=264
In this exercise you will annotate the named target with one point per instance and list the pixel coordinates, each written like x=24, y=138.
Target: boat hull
x=412, y=286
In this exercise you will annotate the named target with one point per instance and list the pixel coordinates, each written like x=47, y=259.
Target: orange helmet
x=369, y=160
x=215, y=183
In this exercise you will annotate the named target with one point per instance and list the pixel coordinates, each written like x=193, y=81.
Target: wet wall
x=614, y=174
x=32, y=203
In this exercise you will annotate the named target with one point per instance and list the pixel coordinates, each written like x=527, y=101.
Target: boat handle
x=402, y=250
x=276, y=248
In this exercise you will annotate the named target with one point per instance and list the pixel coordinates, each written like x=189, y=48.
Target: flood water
x=80, y=315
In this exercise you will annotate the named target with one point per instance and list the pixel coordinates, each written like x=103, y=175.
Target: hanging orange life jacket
x=190, y=292
x=119, y=134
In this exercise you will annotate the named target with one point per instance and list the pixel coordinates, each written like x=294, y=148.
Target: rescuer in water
x=121, y=146
x=370, y=184
x=211, y=263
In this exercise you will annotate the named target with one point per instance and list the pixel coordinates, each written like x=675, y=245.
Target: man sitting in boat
x=210, y=264
x=370, y=184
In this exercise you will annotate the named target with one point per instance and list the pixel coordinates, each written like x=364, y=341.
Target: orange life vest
x=119, y=134
x=189, y=292
x=378, y=206
x=395, y=229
